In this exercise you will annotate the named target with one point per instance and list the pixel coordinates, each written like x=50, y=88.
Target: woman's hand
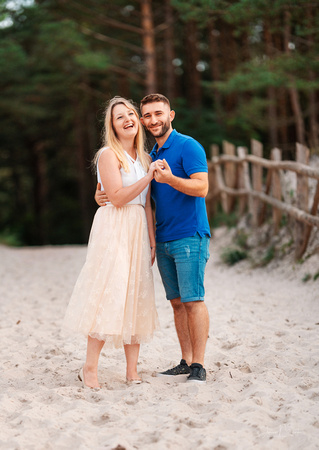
x=100, y=196
x=151, y=169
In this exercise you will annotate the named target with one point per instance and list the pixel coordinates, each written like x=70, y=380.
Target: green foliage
x=199, y=10
x=316, y=276
x=43, y=64
x=254, y=76
x=231, y=256
x=93, y=61
x=269, y=255
x=200, y=124
x=10, y=238
x=284, y=220
x=224, y=219
x=61, y=61
x=240, y=239
x=247, y=117
x=286, y=246
x=15, y=61
x=279, y=69
x=306, y=277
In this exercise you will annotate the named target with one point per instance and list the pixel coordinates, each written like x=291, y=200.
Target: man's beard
x=163, y=130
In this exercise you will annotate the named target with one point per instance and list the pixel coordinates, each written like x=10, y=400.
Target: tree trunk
x=83, y=160
x=193, y=86
x=283, y=122
x=313, y=110
x=170, y=77
x=229, y=51
x=149, y=46
x=293, y=92
x=271, y=93
x=213, y=39
x=40, y=190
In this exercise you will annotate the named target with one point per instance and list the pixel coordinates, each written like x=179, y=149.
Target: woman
x=113, y=299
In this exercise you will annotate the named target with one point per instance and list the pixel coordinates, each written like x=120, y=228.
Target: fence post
x=242, y=152
x=308, y=229
x=230, y=173
x=263, y=208
x=213, y=193
x=221, y=187
x=242, y=201
x=214, y=151
x=276, y=188
x=257, y=171
x=302, y=156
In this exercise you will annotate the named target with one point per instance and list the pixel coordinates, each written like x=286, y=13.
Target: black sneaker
x=197, y=374
x=182, y=369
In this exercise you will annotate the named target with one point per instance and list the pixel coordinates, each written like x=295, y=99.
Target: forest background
x=233, y=70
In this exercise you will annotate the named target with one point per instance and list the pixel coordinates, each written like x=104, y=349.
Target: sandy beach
x=262, y=362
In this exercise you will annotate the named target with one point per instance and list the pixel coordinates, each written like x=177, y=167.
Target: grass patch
x=285, y=247
x=269, y=255
x=316, y=276
x=306, y=277
x=223, y=219
x=240, y=239
x=9, y=238
x=231, y=256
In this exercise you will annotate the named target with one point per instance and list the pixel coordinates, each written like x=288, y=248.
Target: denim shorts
x=182, y=267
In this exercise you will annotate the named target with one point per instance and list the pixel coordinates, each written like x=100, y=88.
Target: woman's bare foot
x=90, y=378
x=132, y=376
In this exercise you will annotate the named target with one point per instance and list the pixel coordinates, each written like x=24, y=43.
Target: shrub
x=232, y=256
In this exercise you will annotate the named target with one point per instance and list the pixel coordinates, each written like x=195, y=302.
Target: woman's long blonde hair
x=110, y=139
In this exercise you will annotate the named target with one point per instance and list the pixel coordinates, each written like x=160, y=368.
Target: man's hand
x=196, y=185
x=163, y=173
x=100, y=196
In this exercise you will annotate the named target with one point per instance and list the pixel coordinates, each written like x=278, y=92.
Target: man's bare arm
x=196, y=185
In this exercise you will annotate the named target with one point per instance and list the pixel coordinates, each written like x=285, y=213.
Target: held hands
x=100, y=196
x=163, y=173
x=160, y=170
x=151, y=170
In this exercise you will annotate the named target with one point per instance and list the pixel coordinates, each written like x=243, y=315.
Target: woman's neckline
x=131, y=157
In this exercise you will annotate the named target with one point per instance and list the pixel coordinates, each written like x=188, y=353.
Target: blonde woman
x=113, y=299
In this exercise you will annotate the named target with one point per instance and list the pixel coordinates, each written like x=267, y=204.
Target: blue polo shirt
x=179, y=215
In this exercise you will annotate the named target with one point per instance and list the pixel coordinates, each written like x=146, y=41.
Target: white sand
x=262, y=364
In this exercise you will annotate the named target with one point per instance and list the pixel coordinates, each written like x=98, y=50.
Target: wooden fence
x=257, y=182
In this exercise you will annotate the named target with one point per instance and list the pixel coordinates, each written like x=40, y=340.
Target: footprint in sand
x=245, y=368
x=105, y=418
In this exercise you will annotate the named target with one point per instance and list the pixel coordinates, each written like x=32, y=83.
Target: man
x=182, y=230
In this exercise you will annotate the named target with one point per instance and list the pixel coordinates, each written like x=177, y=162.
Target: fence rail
x=243, y=176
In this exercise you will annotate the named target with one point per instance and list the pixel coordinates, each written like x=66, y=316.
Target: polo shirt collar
x=166, y=144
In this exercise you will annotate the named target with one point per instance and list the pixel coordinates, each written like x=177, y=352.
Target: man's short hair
x=151, y=98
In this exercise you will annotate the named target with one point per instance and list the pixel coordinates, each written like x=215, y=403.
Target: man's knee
x=193, y=307
x=177, y=305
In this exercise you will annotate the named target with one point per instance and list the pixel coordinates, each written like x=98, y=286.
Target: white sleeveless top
x=128, y=178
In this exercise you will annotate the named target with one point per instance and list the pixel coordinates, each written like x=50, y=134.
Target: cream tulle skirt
x=113, y=299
